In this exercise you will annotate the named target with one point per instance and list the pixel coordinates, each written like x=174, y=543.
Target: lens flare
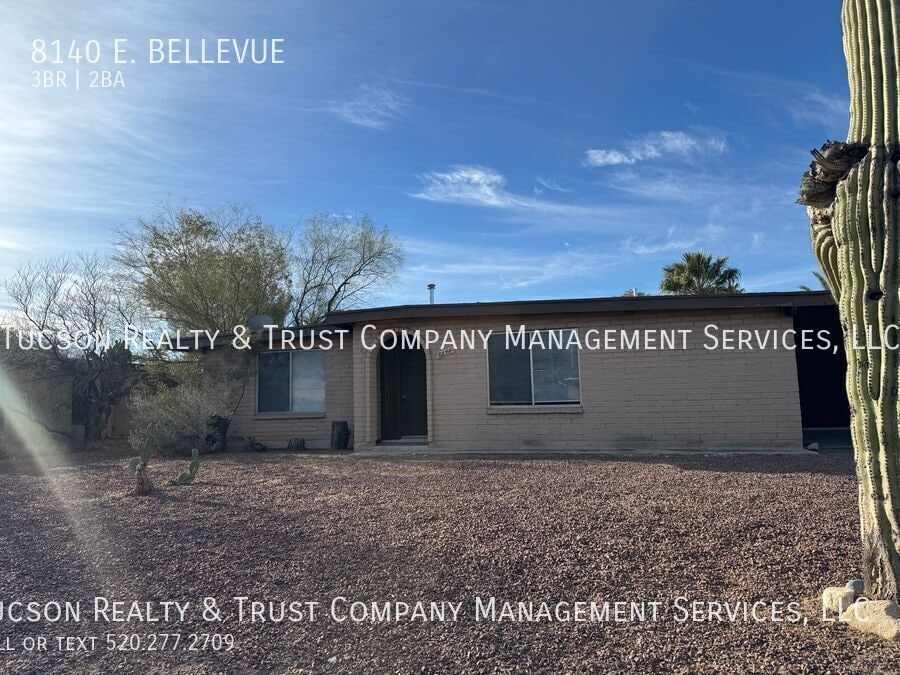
x=51, y=457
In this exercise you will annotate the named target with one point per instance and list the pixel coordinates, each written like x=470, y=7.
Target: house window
x=543, y=371
x=292, y=382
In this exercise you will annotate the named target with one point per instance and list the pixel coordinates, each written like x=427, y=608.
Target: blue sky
x=519, y=150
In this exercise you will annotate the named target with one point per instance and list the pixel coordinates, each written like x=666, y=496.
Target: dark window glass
x=556, y=369
x=543, y=374
x=509, y=372
x=274, y=393
x=308, y=381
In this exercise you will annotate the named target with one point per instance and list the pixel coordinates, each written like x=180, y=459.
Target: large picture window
x=291, y=382
x=543, y=371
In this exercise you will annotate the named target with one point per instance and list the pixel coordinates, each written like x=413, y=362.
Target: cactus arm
x=825, y=247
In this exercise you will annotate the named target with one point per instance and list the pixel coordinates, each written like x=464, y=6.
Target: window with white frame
x=541, y=371
x=291, y=382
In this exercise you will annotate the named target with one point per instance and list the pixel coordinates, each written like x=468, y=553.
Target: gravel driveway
x=311, y=528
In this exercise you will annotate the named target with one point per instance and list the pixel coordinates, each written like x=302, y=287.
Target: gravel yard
x=276, y=527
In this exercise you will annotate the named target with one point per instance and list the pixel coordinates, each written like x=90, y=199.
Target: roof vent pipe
x=431, y=288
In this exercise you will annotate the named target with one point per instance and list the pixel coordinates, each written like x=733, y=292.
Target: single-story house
x=658, y=372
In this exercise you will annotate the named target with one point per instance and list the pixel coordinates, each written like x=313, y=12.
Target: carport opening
x=821, y=374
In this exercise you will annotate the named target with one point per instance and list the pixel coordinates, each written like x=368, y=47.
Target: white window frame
x=290, y=410
x=533, y=404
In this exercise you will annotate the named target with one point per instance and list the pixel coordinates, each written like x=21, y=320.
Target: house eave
x=666, y=303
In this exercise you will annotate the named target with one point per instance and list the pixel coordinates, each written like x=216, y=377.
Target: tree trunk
x=853, y=196
x=217, y=433
x=96, y=420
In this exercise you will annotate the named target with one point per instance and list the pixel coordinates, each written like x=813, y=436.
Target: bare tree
x=341, y=261
x=75, y=308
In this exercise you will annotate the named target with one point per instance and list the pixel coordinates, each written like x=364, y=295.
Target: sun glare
x=49, y=456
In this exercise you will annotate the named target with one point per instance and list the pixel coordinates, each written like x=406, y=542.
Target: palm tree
x=823, y=282
x=698, y=273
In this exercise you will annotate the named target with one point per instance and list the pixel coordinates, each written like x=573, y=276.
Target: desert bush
x=175, y=417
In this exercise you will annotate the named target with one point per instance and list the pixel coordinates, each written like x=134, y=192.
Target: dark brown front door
x=403, y=393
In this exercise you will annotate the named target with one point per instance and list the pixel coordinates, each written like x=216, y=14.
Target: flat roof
x=656, y=303
x=648, y=303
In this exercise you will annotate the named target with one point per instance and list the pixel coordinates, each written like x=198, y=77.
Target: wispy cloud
x=374, y=107
x=650, y=215
x=552, y=185
x=479, y=272
x=675, y=240
x=467, y=184
x=758, y=242
x=474, y=185
x=656, y=146
x=11, y=245
x=818, y=107
x=645, y=246
x=781, y=279
x=461, y=90
x=72, y=158
x=803, y=102
x=744, y=194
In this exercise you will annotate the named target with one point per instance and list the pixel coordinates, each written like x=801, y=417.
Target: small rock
x=878, y=617
x=858, y=586
x=835, y=599
x=813, y=446
x=332, y=660
x=252, y=445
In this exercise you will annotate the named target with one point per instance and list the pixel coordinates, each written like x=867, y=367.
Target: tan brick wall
x=684, y=399
x=276, y=429
x=691, y=398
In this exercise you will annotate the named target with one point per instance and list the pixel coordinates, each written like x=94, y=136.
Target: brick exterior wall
x=692, y=398
x=275, y=430
x=684, y=399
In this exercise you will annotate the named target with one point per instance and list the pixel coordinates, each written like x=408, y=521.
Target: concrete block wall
x=682, y=399
x=277, y=429
x=690, y=398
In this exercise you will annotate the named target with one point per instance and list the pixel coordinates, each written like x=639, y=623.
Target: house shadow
x=828, y=464
x=831, y=463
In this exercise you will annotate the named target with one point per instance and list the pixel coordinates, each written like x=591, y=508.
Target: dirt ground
x=310, y=528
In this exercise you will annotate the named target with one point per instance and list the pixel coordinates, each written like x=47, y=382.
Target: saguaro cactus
x=852, y=194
